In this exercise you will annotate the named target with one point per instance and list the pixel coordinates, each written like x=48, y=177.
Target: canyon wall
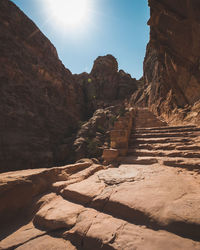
x=41, y=103
x=172, y=61
x=39, y=99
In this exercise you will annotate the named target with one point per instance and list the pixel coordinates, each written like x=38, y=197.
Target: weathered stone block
x=119, y=133
x=110, y=155
x=118, y=145
x=123, y=151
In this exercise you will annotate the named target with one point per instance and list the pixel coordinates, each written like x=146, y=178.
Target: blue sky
x=117, y=27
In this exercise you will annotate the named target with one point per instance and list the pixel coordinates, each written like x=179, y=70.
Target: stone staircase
x=176, y=146
x=141, y=200
x=152, y=141
x=151, y=201
x=146, y=119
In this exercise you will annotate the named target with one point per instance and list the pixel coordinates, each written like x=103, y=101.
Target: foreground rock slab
x=88, y=206
x=21, y=236
x=103, y=231
x=47, y=242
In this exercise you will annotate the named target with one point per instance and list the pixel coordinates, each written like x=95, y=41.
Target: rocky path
x=168, y=146
x=151, y=201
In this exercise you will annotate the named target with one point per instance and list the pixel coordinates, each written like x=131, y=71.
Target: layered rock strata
x=94, y=135
x=88, y=206
x=171, y=65
x=42, y=104
x=105, y=85
x=40, y=101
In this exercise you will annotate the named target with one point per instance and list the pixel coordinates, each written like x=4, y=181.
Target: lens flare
x=70, y=13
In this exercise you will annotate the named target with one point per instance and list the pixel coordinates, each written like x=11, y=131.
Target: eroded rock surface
x=42, y=104
x=171, y=65
x=18, y=189
x=105, y=85
x=94, y=135
x=151, y=201
x=40, y=101
x=123, y=208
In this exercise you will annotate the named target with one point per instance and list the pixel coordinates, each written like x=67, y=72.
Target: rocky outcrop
x=171, y=65
x=105, y=85
x=40, y=101
x=18, y=188
x=22, y=194
x=94, y=135
x=42, y=104
x=89, y=206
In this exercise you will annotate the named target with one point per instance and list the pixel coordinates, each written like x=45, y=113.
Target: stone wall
x=119, y=137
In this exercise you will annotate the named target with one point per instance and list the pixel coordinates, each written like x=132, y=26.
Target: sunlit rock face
x=40, y=102
x=172, y=61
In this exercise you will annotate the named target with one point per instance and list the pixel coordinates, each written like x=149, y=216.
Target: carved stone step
x=130, y=159
x=166, y=146
x=166, y=127
x=159, y=153
x=158, y=140
x=162, y=135
x=166, y=130
x=145, y=118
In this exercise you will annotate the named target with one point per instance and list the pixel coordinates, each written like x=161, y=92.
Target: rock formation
x=151, y=201
x=171, y=65
x=105, y=85
x=42, y=103
x=94, y=135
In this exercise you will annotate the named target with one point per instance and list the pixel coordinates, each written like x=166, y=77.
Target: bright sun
x=69, y=13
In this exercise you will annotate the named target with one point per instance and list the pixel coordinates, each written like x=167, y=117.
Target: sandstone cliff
x=106, y=90
x=171, y=65
x=151, y=201
x=40, y=101
x=105, y=84
x=42, y=104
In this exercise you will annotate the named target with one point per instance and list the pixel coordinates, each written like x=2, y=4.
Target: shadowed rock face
x=41, y=102
x=171, y=65
x=105, y=85
x=39, y=98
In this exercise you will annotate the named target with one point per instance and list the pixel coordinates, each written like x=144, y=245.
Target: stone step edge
x=56, y=187
x=177, y=162
x=163, y=140
x=160, y=153
x=170, y=135
x=164, y=147
x=166, y=127
x=142, y=131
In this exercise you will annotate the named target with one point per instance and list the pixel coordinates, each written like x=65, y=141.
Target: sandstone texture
x=151, y=201
x=105, y=85
x=42, y=104
x=171, y=65
x=94, y=135
x=40, y=101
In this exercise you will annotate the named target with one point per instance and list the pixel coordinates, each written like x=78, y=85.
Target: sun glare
x=69, y=13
